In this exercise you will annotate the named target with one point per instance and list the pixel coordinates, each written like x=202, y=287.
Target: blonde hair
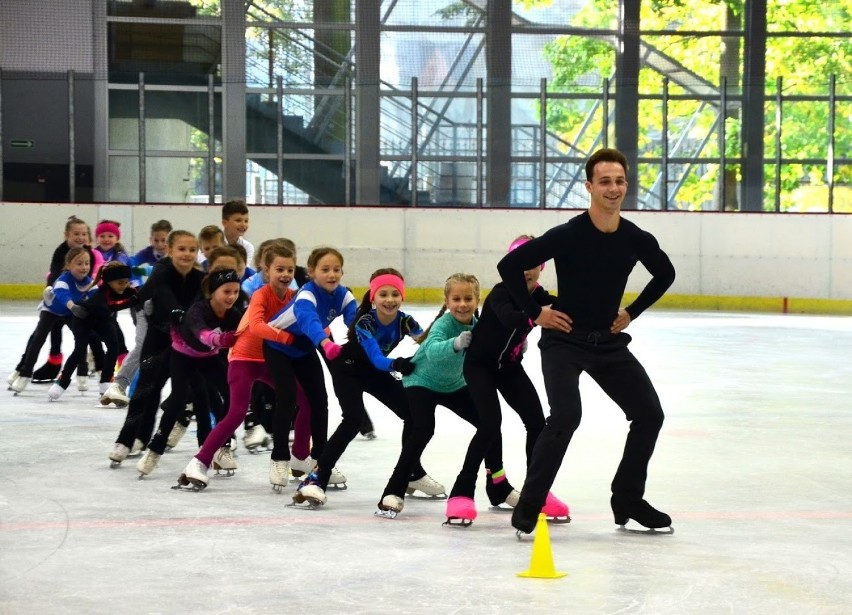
x=456, y=278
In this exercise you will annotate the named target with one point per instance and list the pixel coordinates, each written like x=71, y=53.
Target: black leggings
x=46, y=322
x=284, y=371
x=89, y=331
x=351, y=382
x=153, y=374
x=614, y=368
x=422, y=402
x=519, y=392
x=191, y=374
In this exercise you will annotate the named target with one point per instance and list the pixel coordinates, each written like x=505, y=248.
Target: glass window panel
x=552, y=13
x=396, y=182
x=804, y=129
x=815, y=60
x=440, y=61
x=301, y=57
x=124, y=179
x=167, y=53
x=263, y=188
x=311, y=124
x=440, y=13
x=179, y=121
x=178, y=180
x=565, y=185
x=804, y=187
x=170, y=10
x=302, y=11
x=786, y=16
x=123, y=119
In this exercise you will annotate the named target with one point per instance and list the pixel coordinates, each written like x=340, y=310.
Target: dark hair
x=105, y=269
x=366, y=305
x=234, y=206
x=456, y=278
x=318, y=253
x=604, y=155
x=161, y=225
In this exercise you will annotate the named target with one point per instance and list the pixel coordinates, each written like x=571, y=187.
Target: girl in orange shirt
x=246, y=363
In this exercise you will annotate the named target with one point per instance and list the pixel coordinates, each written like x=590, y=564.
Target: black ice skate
x=524, y=517
x=49, y=371
x=642, y=513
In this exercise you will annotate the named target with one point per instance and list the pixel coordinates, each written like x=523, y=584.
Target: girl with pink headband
x=379, y=326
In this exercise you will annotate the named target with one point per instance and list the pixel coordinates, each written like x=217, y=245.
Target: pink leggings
x=241, y=377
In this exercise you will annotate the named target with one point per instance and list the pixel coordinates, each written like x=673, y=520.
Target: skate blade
x=386, y=514
x=457, y=522
x=501, y=508
x=559, y=520
x=258, y=450
x=114, y=464
x=304, y=504
x=224, y=473
x=369, y=436
x=278, y=488
x=521, y=535
x=188, y=484
x=647, y=531
x=338, y=486
x=419, y=495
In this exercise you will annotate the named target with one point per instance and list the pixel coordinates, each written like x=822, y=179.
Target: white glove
x=148, y=307
x=525, y=346
x=462, y=341
x=47, y=295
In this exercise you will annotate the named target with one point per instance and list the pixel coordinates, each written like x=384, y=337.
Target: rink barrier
x=695, y=303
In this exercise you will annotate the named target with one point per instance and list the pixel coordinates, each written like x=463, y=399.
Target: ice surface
x=754, y=465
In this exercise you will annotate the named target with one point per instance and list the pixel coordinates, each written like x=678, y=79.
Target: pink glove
x=226, y=340
x=216, y=339
x=332, y=350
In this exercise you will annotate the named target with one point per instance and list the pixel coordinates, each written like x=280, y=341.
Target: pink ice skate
x=461, y=512
x=555, y=509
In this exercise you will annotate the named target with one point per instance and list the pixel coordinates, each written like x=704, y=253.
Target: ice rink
x=754, y=464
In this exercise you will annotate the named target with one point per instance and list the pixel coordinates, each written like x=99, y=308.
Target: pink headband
x=108, y=227
x=386, y=279
x=518, y=243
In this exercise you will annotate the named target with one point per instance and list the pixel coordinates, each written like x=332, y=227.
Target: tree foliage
x=804, y=64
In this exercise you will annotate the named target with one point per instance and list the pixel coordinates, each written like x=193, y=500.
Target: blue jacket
x=309, y=313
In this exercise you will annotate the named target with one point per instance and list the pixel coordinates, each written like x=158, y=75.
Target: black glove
x=403, y=365
x=176, y=316
x=79, y=311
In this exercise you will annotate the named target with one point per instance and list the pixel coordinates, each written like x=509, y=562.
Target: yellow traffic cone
x=541, y=562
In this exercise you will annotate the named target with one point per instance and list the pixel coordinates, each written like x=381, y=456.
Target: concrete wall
x=723, y=260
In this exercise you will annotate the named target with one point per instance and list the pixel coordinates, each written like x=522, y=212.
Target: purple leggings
x=241, y=376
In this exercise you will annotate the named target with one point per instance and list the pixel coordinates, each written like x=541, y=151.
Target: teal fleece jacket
x=438, y=367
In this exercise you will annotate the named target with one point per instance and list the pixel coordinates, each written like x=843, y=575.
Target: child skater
x=492, y=363
x=173, y=286
x=76, y=236
x=307, y=317
x=438, y=380
x=95, y=314
x=69, y=288
x=142, y=264
x=208, y=326
x=378, y=328
x=107, y=238
x=246, y=364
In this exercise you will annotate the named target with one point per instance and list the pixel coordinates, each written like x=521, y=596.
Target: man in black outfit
x=594, y=254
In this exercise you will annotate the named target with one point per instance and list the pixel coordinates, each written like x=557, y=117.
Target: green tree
x=581, y=62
